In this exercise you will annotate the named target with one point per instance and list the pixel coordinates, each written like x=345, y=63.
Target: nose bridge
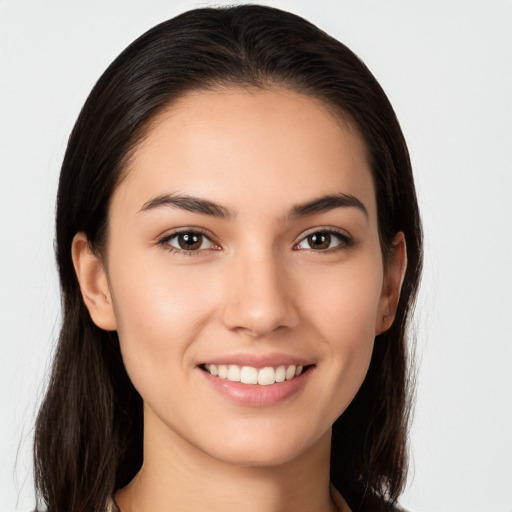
x=258, y=295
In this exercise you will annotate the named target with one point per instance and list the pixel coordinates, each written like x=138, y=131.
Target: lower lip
x=255, y=395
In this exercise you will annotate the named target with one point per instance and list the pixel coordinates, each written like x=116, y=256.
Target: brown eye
x=190, y=241
x=319, y=241
x=324, y=240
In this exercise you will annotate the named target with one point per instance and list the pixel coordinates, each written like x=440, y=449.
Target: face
x=244, y=273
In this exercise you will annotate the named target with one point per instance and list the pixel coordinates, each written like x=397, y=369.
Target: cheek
x=152, y=294
x=343, y=307
x=158, y=315
x=344, y=302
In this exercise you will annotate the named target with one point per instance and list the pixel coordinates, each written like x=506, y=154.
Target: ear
x=392, y=284
x=93, y=282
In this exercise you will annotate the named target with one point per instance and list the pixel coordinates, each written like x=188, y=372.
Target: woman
x=239, y=248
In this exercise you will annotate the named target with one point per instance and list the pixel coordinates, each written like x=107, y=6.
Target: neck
x=179, y=476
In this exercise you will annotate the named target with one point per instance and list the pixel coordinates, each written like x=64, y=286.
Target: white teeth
x=280, y=373
x=250, y=375
x=290, y=372
x=233, y=373
x=266, y=376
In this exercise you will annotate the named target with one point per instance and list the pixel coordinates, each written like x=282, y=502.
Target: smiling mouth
x=257, y=376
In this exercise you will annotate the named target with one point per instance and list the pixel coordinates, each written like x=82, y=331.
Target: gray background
x=447, y=68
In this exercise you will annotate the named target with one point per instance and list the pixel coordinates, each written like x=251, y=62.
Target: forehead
x=232, y=145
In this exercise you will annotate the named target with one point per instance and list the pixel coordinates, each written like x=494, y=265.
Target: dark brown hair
x=88, y=439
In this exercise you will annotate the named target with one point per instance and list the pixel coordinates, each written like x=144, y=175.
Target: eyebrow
x=326, y=203
x=188, y=203
x=203, y=206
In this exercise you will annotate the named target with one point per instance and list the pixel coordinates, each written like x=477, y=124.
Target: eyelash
x=345, y=241
x=164, y=242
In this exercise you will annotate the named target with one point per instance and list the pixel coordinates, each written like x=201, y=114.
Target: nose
x=259, y=296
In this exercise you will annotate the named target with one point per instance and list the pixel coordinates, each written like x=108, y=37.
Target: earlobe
x=93, y=282
x=394, y=274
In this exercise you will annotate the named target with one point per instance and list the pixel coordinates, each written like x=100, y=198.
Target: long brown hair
x=88, y=439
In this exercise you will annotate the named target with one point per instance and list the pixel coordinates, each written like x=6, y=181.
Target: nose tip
x=259, y=300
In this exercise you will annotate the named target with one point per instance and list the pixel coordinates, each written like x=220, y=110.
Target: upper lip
x=258, y=360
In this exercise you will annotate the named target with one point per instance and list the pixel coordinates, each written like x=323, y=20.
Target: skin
x=255, y=286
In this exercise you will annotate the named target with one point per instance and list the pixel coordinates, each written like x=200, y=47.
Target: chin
x=258, y=448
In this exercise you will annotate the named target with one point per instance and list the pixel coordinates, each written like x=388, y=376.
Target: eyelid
x=324, y=229
x=163, y=239
x=346, y=238
x=168, y=233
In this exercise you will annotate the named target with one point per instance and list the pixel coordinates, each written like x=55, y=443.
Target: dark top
x=368, y=504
